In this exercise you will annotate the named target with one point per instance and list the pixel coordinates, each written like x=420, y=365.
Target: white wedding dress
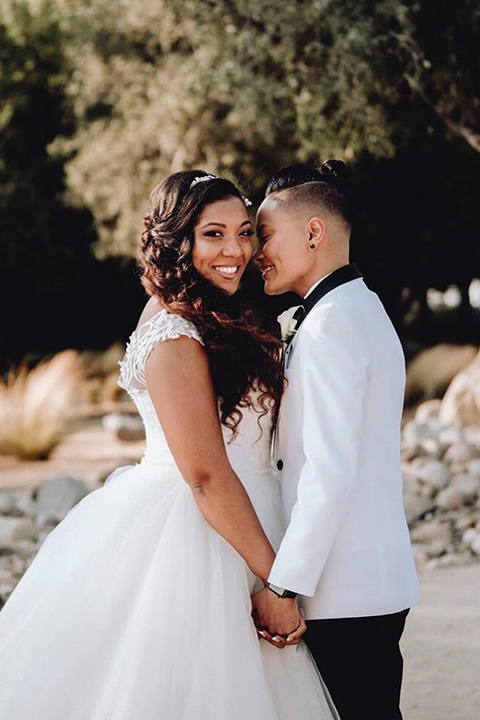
x=136, y=609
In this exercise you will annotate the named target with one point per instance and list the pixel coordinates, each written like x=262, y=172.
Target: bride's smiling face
x=222, y=244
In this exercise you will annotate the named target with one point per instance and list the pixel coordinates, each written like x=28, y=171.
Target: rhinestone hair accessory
x=202, y=178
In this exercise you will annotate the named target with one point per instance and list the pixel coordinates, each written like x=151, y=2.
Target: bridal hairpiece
x=202, y=178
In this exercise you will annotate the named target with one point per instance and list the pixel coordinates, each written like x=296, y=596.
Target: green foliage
x=100, y=99
x=242, y=87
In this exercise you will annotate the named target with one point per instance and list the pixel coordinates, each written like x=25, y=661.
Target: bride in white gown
x=135, y=607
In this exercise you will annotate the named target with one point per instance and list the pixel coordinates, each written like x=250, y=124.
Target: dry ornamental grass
x=37, y=405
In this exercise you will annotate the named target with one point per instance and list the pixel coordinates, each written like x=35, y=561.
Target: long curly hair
x=242, y=356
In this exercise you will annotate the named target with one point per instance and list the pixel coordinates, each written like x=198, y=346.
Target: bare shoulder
x=181, y=357
x=151, y=309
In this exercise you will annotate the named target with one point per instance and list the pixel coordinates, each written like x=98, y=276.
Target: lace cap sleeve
x=160, y=327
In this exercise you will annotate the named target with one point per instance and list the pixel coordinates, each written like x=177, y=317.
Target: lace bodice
x=162, y=326
x=248, y=452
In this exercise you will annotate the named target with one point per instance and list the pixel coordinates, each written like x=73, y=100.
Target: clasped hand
x=278, y=620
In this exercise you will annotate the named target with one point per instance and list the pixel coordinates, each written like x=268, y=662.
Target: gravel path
x=441, y=647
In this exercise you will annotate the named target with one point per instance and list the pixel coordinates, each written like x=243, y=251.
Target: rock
x=468, y=485
x=428, y=491
x=411, y=484
x=472, y=436
x=128, y=428
x=415, y=433
x=469, y=536
x=459, y=454
x=431, y=448
x=417, y=463
x=437, y=548
x=450, y=436
x=24, y=503
x=13, y=529
x=434, y=473
x=420, y=553
x=473, y=467
x=416, y=507
x=430, y=373
x=475, y=545
x=465, y=522
x=57, y=495
x=461, y=403
x=8, y=504
x=427, y=410
x=429, y=532
x=450, y=499
x=6, y=589
x=450, y=560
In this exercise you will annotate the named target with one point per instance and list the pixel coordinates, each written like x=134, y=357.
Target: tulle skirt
x=135, y=609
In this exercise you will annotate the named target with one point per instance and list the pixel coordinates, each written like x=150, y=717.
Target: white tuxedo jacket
x=346, y=549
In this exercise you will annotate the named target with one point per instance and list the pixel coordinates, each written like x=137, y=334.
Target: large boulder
x=461, y=404
x=57, y=495
x=430, y=373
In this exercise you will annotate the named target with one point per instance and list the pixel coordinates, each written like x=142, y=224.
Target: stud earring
x=312, y=246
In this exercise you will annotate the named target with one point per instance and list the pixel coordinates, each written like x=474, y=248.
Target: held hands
x=278, y=620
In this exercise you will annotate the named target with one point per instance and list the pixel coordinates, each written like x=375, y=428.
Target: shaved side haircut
x=308, y=190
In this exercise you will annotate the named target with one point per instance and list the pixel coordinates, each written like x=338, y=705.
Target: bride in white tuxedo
x=137, y=606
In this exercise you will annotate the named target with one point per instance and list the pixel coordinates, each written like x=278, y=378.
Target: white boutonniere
x=288, y=324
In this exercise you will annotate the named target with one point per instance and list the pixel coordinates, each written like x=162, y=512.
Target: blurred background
x=100, y=99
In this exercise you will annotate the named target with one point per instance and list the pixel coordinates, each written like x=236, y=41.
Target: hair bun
x=335, y=172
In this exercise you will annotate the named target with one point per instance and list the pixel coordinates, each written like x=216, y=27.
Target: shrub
x=36, y=406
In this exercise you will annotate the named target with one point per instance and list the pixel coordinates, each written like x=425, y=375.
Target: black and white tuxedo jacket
x=346, y=548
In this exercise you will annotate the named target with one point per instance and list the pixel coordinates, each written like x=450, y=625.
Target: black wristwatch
x=281, y=592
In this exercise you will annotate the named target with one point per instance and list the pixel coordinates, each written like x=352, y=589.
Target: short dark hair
x=328, y=187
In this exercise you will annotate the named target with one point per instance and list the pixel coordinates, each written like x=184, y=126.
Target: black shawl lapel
x=335, y=279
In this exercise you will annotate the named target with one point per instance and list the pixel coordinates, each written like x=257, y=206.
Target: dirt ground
x=441, y=647
x=441, y=644
x=89, y=453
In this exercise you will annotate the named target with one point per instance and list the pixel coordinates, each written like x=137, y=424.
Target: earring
x=312, y=246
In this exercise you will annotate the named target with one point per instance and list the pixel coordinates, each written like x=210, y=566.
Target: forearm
x=226, y=506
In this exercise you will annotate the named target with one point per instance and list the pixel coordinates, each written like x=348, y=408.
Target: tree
x=45, y=244
x=131, y=91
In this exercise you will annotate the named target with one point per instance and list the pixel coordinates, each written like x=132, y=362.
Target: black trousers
x=361, y=663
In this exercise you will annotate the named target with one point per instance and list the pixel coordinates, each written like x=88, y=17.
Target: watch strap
x=281, y=592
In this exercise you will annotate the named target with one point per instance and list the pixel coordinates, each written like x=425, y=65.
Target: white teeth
x=228, y=269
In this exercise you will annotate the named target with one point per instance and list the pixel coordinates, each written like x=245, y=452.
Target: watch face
x=279, y=591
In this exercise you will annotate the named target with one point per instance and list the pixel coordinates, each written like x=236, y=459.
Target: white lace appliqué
x=160, y=327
